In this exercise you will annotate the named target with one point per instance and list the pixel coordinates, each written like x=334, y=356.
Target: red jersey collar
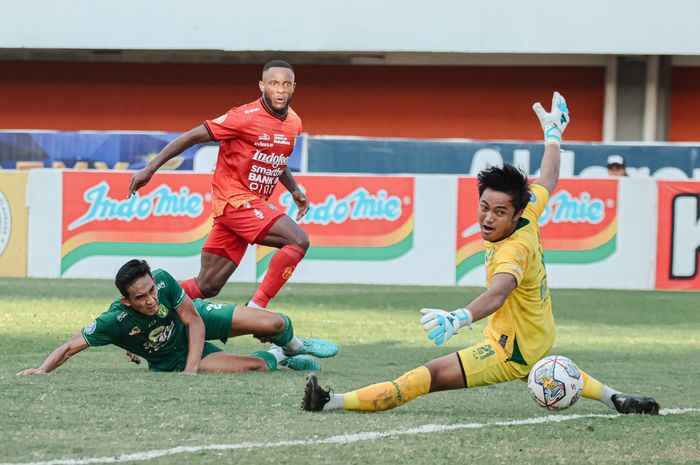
x=272, y=113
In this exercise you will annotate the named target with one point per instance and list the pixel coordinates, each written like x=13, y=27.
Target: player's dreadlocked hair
x=509, y=180
x=130, y=272
x=277, y=64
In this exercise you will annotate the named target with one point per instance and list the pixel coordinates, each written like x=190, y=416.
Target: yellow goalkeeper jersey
x=524, y=325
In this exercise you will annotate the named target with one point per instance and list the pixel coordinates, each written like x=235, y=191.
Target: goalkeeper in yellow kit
x=520, y=328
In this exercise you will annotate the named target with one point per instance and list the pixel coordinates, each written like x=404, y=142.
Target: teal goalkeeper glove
x=442, y=325
x=554, y=122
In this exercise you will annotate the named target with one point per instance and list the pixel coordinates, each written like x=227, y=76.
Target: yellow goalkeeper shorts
x=487, y=363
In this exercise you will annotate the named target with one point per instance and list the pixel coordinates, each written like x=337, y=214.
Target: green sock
x=283, y=337
x=270, y=359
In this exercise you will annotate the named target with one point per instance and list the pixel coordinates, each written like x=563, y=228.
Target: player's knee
x=435, y=376
x=209, y=289
x=301, y=240
x=444, y=375
x=277, y=323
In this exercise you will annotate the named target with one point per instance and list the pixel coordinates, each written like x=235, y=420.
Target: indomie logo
x=160, y=202
x=357, y=205
x=565, y=208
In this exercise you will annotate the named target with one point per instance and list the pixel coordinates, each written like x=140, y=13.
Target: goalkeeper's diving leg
x=622, y=403
x=456, y=371
x=438, y=375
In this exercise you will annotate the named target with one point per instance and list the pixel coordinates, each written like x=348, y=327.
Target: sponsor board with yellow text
x=13, y=224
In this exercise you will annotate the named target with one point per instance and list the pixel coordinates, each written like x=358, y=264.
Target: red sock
x=281, y=268
x=192, y=289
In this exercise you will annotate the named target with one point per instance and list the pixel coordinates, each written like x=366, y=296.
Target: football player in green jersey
x=156, y=320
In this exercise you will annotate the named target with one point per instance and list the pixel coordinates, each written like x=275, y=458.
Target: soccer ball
x=555, y=382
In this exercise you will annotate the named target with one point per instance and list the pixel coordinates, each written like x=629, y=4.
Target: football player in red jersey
x=256, y=142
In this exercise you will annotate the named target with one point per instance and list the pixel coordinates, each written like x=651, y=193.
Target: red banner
x=678, y=235
x=352, y=217
x=169, y=217
x=579, y=224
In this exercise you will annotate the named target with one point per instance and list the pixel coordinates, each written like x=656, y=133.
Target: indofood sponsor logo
x=360, y=204
x=162, y=201
x=5, y=222
x=271, y=158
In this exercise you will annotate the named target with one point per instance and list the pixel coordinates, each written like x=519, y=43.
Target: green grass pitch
x=99, y=405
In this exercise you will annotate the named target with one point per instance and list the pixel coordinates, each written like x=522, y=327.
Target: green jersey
x=160, y=338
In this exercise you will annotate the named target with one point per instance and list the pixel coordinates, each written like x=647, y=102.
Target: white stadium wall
x=443, y=26
x=415, y=230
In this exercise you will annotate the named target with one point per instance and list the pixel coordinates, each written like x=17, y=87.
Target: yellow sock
x=390, y=394
x=592, y=388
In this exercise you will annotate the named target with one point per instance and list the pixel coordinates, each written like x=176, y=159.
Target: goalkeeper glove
x=441, y=325
x=554, y=122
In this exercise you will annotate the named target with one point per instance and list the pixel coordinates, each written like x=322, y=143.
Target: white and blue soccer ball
x=555, y=382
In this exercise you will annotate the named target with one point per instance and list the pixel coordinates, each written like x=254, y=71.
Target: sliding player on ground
x=155, y=319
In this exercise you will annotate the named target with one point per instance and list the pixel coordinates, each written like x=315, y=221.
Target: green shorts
x=217, y=319
x=179, y=362
x=217, y=324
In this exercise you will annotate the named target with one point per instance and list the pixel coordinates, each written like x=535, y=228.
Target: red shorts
x=238, y=227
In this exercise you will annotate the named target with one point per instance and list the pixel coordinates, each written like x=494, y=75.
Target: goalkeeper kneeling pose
x=520, y=328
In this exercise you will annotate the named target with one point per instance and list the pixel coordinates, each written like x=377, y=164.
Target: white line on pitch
x=341, y=439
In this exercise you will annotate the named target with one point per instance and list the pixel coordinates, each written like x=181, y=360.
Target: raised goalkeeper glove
x=554, y=122
x=442, y=325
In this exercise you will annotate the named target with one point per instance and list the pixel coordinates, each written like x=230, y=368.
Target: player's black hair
x=277, y=64
x=130, y=272
x=509, y=180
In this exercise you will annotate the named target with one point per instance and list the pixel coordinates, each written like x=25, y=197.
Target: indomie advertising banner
x=351, y=217
x=168, y=217
x=678, y=233
x=579, y=224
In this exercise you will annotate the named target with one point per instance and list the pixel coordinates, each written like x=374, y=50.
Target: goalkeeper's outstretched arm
x=502, y=284
x=553, y=124
x=442, y=325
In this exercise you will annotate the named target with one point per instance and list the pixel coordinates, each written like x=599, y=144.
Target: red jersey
x=255, y=148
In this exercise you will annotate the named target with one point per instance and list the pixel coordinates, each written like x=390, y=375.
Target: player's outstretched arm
x=59, y=356
x=299, y=197
x=174, y=148
x=195, y=334
x=553, y=124
x=502, y=284
x=441, y=325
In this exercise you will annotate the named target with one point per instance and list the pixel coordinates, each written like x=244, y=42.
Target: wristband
x=464, y=316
